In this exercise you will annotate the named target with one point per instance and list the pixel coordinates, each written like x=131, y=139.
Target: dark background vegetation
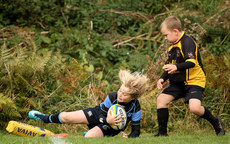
x=65, y=55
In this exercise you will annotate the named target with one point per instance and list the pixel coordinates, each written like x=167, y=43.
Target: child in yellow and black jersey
x=186, y=75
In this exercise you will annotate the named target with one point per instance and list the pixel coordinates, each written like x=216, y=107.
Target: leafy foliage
x=218, y=40
x=65, y=55
x=8, y=110
x=217, y=92
x=39, y=79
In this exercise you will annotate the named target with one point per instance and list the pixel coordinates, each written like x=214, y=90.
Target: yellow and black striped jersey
x=183, y=53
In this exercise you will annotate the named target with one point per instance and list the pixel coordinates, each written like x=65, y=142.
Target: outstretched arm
x=135, y=131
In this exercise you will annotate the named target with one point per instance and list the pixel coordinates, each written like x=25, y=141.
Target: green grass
x=201, y=137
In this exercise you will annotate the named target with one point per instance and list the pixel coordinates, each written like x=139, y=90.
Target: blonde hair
x=136, y=83
x=171, y=22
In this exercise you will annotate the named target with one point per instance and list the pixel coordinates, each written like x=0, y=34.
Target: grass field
x=201, y=137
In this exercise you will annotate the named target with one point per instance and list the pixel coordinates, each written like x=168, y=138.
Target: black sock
x=49, y=118
x=55, y=118
x=162, y=117
x=209, y=117
x=44, y=118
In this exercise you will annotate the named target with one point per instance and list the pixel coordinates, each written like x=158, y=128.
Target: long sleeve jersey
x=185, y=55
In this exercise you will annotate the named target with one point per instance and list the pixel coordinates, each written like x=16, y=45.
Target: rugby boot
x=33, y=114
x=219, y=128
x=161, y=135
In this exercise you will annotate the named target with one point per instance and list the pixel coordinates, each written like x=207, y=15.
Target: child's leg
x=163, y=100
x=77, y=117
x=94, y=132
x=162, y=113
x=196, y=108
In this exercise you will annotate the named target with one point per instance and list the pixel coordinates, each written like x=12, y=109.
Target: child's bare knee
x=65, y=117
x=161, y=102
x=195, y=110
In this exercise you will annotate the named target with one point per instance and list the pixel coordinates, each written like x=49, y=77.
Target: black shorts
x=92, y=115
x=188, y=91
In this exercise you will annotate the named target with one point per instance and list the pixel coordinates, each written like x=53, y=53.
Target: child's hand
x=170, y=68
x=124, y=135
x=113, y=119
x=160, y=83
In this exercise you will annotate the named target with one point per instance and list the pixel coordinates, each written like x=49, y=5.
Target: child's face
x=122, y=96
x=171, y=36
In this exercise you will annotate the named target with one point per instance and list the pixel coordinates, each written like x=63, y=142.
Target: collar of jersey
x=182, y=34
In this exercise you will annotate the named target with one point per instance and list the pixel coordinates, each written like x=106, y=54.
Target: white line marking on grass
x=58, y=140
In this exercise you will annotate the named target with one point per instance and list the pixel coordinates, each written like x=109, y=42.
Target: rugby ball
x=115, y=110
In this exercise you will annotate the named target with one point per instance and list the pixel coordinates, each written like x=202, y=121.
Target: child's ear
x=176, y=31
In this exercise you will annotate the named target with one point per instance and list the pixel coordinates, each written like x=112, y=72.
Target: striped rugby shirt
x=133, y=109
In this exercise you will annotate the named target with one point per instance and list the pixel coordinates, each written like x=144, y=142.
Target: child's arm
x=170, y=68
x=124, y=135
x=107, y=119
x=136, y=121
x=164, y=76
x=114, y=120
x=160, y=83
x=135, y=131
x=185, y=65
x=162, y=79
